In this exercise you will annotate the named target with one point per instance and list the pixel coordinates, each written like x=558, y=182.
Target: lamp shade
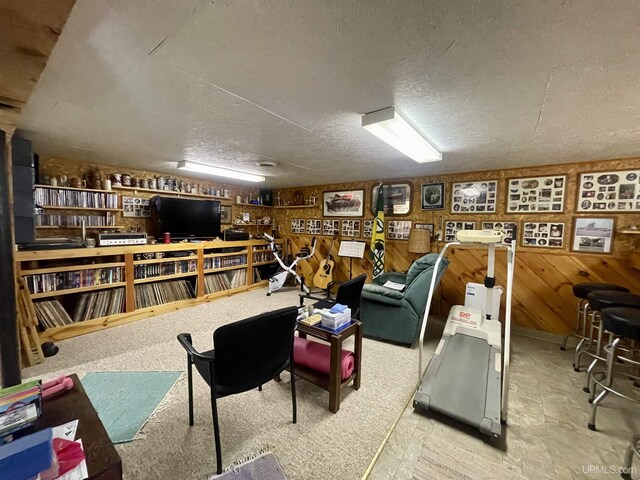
x=419, y=241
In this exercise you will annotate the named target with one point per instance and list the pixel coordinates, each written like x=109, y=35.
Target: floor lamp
x=419, y=242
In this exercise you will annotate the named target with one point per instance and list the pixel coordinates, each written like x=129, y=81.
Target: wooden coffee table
x=332, y=382
x=103, y=461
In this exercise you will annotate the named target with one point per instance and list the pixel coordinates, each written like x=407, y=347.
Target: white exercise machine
x=277, y=280
x=468, y=375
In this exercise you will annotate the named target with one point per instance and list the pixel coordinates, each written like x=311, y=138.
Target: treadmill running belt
x=459, y=389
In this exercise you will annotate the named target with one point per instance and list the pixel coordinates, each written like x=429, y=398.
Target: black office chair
x=246, y=354
x=348, y=294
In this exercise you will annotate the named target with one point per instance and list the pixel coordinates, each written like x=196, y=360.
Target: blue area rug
x=263, y=467
x=125, y=400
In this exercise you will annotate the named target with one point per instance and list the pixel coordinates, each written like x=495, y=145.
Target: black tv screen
x=187, y=218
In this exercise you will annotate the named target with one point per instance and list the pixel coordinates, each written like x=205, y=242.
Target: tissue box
x=335, y=320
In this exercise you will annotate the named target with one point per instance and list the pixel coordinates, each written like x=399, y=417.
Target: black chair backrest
x=251, y=352
x=350, y=292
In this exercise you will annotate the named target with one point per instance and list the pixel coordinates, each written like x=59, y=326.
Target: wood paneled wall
x=542, y=298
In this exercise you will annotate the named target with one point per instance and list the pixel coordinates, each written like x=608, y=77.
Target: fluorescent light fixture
x=219, y=172
x=388, y=125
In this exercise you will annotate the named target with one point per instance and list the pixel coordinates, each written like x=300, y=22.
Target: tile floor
x=546, y=436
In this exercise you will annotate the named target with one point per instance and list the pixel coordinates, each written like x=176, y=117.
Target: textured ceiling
x=491, y=83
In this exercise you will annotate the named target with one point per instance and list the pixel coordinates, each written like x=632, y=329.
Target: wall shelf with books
x=283, y=207
x=92, y=209
x=62, y=197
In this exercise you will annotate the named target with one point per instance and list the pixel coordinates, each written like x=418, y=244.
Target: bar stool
x=598, y=301
x=581, y=290
x=624, y=325
x=634, y=449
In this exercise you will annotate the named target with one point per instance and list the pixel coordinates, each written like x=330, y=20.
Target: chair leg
x=190, y=386
x=293, y=391
x=216, y=432
x=260, y=388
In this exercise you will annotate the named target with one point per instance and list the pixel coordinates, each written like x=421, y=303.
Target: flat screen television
x=187, y=218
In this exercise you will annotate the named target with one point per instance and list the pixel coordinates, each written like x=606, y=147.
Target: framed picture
x=536, y=194
x=135, y=207
x=451, y=227
x=314, y=226
x=346, y=203
x=474, y=197
x=367, y=228
x=432, y=196
x=297, y=225
x=600, y=192
x=424, y=226
x=397, y=198
x=351, y=228
x=225, y=213
x=330, y=227
x=398, y=229
x=543, y=234
x=509, y=229
x=593, y=235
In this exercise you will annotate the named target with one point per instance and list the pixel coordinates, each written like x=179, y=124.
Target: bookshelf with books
x=78, y=291
x=72, y=200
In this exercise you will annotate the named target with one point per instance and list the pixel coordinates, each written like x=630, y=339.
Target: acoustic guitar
x=324, y=275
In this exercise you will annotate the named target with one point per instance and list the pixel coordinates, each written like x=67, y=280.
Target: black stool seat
x=581, y=290
x=605, y=299
x=622, y=321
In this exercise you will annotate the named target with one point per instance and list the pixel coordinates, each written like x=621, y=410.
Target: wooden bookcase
x=80, y=267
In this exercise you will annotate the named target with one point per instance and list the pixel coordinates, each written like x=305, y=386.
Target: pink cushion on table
x=317, y=356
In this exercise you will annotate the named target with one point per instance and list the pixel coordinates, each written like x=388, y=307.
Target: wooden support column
x=9, y=346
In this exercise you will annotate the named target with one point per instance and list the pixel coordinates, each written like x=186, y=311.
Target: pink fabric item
x=316, y=356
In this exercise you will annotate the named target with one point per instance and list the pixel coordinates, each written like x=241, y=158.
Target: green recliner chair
x=395, y=316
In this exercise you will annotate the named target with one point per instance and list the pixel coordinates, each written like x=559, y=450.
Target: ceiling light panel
x=219, y=172
x=388, y=125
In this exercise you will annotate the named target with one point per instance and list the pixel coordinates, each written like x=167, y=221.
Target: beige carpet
x=321, y=445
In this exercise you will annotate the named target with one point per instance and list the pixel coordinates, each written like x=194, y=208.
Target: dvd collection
x=223, y=262
x=266, y=256
x=108, y=220
x=49, y=197
x=165, y=268
x=50, y=282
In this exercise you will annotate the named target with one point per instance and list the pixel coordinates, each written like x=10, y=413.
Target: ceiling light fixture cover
x=388, y=125
x=218, y=171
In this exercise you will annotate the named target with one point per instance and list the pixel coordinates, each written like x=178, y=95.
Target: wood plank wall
x=543, y=298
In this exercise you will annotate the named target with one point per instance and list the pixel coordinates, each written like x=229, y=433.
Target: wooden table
x=103, y=461
x=333, y=383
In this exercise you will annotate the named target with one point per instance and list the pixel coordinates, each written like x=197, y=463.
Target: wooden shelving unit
x=89, y=209
x=57, y=187
x=87, y=227
x=160, y=278
x=170, y=192
x=75, y=260
x=68, y=291
x=251, y=205
x=282, y=207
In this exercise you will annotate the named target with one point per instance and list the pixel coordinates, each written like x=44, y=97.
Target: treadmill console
x=480, y=236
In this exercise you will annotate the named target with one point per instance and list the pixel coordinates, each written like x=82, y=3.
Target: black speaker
x=23, y=178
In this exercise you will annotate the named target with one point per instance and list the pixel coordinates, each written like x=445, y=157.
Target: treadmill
x=468, y=375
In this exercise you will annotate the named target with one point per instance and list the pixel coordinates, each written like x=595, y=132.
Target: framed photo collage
x=596, y=192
